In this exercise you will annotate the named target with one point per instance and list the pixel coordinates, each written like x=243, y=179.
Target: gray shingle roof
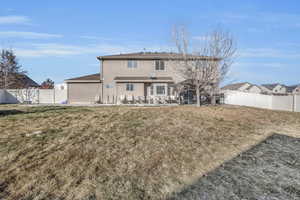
x=270, y=86
x=291, y=88
x=87, y=78
x=151, y=56
x=19, y=81
x=234, y=86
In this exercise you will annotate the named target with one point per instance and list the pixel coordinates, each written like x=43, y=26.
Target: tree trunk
x=198, y=96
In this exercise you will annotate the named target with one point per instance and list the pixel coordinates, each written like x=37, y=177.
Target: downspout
x=101, y=79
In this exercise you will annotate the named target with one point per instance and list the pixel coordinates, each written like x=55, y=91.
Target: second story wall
x=113, y=68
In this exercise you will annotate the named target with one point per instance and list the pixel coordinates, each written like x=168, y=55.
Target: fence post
x=294, y=103
x=39, y=101
x=53, y=95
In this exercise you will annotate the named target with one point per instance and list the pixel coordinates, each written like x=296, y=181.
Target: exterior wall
x=255, y=89
x=83, y=93
x=113, y=68
x=296, y=90
x=265, y=90
x=244, y=87
x=139, y=89
x=279, y=89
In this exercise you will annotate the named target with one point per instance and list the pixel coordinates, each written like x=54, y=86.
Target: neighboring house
x=275, y=88
x=236, y=86
x=243, y=87
x=20, y=81
x=134, y=75
x=293, y=89
x=254, y=89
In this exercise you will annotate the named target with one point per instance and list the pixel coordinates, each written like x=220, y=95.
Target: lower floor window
x=160, y=90
x=129, y=87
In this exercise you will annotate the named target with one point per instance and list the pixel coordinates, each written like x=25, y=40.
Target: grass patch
x=123, y=152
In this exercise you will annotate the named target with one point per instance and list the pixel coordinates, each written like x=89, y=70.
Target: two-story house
x=134, y=75
x=138, y=75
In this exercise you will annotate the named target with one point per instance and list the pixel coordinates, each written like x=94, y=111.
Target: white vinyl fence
x=42, y=96
x=286, y=103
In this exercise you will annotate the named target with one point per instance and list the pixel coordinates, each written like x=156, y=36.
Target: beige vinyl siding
x=144, y=68
x=138, y=89
x=81, y=93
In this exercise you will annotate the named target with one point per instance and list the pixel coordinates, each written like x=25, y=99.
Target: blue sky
x=61, y=39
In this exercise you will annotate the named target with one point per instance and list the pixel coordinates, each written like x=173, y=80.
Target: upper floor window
x=132, y=64
x=129, y=87
x=159, y=65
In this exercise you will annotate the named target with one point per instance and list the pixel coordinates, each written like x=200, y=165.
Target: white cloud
x=89, y=37
x=14, y=20
x=268, y=53
x=274, y=65
x=28, y=35
x=272, y=20
x=62, y=50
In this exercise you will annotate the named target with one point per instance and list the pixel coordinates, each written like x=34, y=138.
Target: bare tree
x=10, y=70
x=207, y=67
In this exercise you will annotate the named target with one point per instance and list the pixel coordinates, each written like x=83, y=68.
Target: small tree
x=10, y=70
x=206, y=68
x=47, y=84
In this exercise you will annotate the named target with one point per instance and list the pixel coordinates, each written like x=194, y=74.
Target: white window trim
x=129, y=87
x=155, y=89
x=134, y=66
x=160, y=70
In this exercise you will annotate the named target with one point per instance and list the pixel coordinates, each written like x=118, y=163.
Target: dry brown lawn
x=123, y=152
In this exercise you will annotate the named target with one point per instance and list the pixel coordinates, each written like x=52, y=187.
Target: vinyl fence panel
x=43, y=96
x=248, y=99
x=297, y=103
x=285, y=103
x=2, y=96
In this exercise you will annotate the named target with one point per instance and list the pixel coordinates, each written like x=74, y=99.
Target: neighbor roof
x=151, y=56
x=142, y=79
x=87, y=78
x=234, y=86
x=271, y=86
x=20, y=81
x=291, y=88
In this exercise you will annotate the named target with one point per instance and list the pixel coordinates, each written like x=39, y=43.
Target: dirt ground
x=124, y=152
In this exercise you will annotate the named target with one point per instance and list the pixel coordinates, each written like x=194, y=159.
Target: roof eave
x=144, y=81
x=82, y=81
